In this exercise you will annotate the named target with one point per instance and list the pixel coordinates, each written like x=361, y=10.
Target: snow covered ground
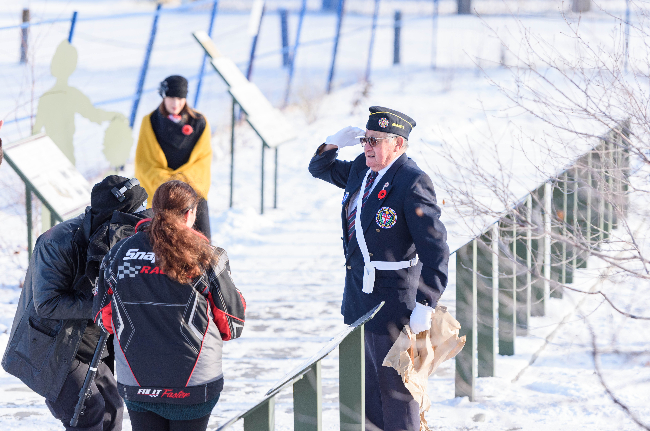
x=288, y=262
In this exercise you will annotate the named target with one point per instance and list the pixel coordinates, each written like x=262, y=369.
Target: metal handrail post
x=352, y=381
x=308, y=401
x=565, y=209
x=262, y=418
x=576, y=226
x=507, y=292
x=529, y=257
x=547, y=244
x=601, y=191
x=589, y=188
x=466, y=314
x=487, y=319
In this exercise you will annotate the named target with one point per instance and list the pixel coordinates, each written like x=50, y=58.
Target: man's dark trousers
x=389, y=405
x=103, y=409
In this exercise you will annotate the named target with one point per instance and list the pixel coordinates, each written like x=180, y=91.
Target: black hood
x=103, y=202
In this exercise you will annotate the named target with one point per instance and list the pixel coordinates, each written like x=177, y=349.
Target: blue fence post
x=372, y=39
x=205, y=56
x=73, y=22
x=398, y=33
x=284, y=25
x=336, y=44
x=249, y=72
x=294, y=52
x=145, y=66
x=627, y=33
x=434, y=48
x=24, y=37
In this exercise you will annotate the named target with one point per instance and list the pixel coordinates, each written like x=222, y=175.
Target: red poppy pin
x=382, y=193
x=187, y=130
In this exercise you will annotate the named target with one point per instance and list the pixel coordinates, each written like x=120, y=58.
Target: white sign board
x=41, y=163
x=229, y=72
x=269, y=123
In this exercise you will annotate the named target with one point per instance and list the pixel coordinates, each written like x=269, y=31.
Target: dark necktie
x=366, y=193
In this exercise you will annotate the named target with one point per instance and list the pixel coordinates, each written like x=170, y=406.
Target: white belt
x=370, y=267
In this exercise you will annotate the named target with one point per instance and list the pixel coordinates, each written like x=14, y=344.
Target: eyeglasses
x=372, y=140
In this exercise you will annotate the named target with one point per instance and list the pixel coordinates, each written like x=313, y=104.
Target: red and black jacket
x=168, y=335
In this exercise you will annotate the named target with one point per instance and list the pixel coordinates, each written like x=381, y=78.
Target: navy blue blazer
x=396, y=225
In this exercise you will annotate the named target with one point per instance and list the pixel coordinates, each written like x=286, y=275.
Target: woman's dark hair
x=187, y=110
x=182, y=252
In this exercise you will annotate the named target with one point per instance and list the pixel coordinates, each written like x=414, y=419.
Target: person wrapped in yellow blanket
x=174, y=143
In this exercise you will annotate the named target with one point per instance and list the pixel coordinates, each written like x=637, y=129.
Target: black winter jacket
x=55, y=307
x=168, y=336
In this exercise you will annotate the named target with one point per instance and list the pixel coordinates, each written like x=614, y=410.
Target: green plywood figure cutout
x=58, y=106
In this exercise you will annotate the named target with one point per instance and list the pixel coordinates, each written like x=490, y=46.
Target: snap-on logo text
x=135, y=253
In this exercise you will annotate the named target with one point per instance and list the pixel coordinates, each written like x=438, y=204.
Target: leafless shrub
x=590, y=105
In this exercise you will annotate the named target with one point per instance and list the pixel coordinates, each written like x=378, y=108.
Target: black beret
x=173, y=86
x=389, y=121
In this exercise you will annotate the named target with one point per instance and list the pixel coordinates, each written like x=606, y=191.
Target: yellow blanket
x=151, y=165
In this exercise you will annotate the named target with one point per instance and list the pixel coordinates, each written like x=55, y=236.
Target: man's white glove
x=345, y=137
x=420, y=318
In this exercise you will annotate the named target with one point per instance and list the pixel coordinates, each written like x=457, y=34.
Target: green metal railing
x=509, y=272
x=307, y=387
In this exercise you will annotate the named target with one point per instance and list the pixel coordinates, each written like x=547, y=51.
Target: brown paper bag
x=416, y=357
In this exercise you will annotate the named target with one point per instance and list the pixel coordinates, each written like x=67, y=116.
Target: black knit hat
x=389, y=121
x=110, y=195
x=173, y=86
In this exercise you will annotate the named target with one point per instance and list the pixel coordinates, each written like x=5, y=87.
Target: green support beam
x=308, y=401
x=487, y=290
x=524, y=266
x=507, y=282
x=352, y=381
x=537, y=283
x=558, y=245
x=548, y=209
x=466, y=314
x=262, y=418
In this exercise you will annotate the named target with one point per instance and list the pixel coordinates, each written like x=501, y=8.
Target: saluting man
x=395, y=248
